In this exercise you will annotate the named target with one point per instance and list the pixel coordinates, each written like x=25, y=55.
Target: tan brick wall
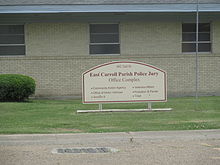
x=56, y=39
x=62, y=76
x=56, y=60
x=72, y=39
x=216, y=37
x=141, y=38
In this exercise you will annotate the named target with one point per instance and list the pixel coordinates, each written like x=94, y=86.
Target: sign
x=124, y=81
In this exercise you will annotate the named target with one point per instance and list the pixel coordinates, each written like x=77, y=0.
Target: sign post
x=149, y=106
x=124, y=81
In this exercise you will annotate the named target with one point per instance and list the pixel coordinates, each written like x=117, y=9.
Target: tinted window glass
x=204, y=36
x=204, y=27
x=188, y=47
x=189, y=37
x=191, y=27
x=192, y=37
x=11, y=29
x=12, y=50
x=12, y=39
x=105, y=49
x=104, y=28
x=104, y=38
x=204, y=47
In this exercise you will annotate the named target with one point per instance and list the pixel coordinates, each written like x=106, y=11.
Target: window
x=189, y=37
x=104, y=39
x=12, y=40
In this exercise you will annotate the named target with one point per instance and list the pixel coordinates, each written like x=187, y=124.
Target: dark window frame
x=201, y=43
x=110, y=48
x=11, y=47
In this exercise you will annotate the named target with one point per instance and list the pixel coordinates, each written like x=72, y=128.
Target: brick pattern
x=62, y=77
x=57, y=55
x=56, y=39
x=215, y=38
x=164, y=38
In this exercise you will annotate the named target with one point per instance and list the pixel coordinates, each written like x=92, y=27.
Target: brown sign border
x=126, y=101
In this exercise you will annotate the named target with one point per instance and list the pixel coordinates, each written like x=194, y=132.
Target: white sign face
x=124, y=81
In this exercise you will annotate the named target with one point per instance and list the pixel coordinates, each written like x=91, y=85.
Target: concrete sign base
x=123, y=110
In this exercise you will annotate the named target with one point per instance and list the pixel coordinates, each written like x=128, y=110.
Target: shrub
x=15, y=87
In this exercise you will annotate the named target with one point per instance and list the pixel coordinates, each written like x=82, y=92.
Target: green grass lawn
x=52, y=116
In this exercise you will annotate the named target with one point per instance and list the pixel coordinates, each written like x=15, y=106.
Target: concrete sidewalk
x=159, y=147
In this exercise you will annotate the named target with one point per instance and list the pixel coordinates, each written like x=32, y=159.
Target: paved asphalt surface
x=135, y=148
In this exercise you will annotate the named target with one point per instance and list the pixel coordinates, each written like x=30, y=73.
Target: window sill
x=12, y=56
x=105, y=54
x=199, y=53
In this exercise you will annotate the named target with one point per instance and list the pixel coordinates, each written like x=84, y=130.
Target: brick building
x=54, y=41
